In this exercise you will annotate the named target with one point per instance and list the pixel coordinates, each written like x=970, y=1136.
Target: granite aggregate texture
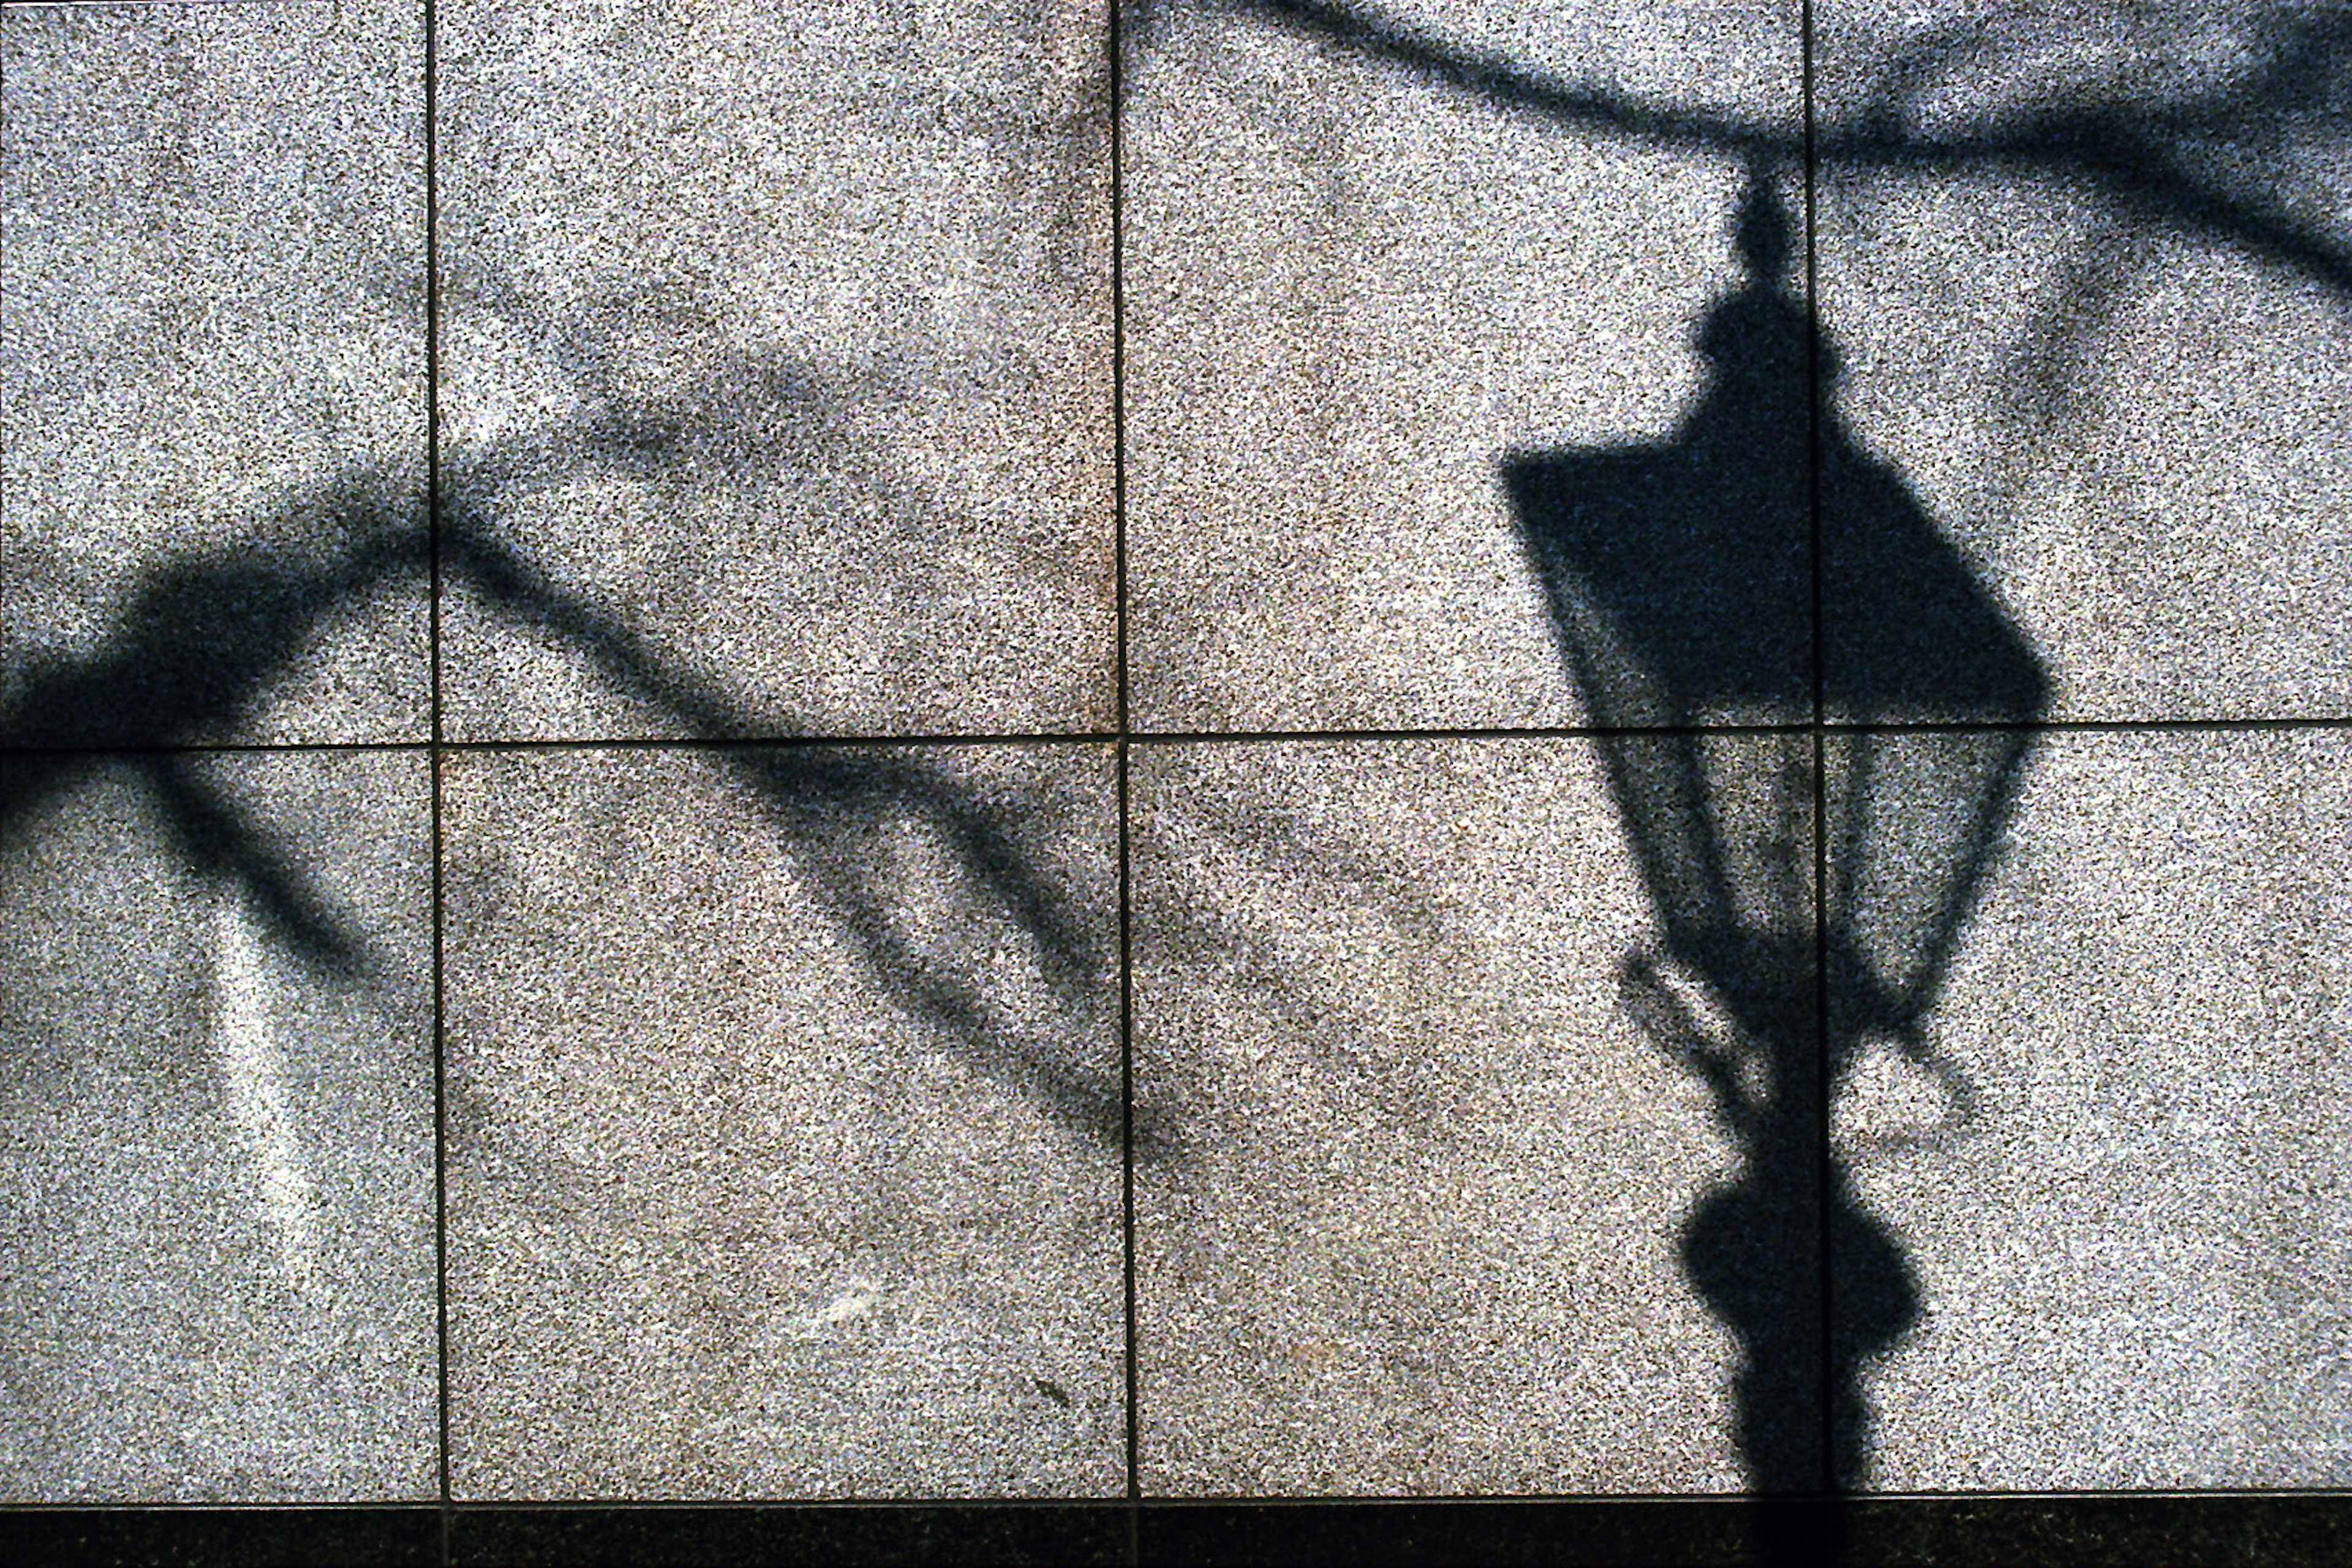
x=1349, y=295
x=219, y=1140
x=1418, y=1234
x=784, y=1138
x=2128, y=1247
x=214, y=284
x=1000, y=751
x=784, y=332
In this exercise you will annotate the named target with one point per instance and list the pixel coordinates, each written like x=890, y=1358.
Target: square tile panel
x=212, y=318
x=2116, y=1167
x=2087, y=277
x=1434, y=1143
x=784, y=1127
x=216, y=1154
x=1359, y=294
x=779, y=337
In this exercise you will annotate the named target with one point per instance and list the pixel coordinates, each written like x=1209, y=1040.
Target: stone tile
x=1354, y=295
x=779, y=337
x=211, y=320
x=784, y=1123
x=1418, y=1222
x=2130, y=1254
x=217, y=1152
x=2115, y=380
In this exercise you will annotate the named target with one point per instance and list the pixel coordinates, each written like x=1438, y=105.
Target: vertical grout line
x=1116, y=40
x=432, y=757
x=1824, y=1168
x=1127, y=1171
x=1118, y=46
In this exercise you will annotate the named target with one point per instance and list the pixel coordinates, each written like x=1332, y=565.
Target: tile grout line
x=450, y=747
x=1115, y=41
x=432, y=767
x=1824, y=1169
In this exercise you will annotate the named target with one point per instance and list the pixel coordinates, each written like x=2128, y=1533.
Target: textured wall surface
x=1266, y=748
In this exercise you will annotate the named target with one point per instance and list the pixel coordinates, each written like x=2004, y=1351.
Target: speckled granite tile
x=216, y=1149
x=2131, y=1253
x=1419, y=1225
x=1353, y=292
x=783, y=335
x=784, y=1124
x=2091, y=275
x=212, y=320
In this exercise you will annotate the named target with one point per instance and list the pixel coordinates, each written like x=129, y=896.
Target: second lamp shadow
x=1814, y=716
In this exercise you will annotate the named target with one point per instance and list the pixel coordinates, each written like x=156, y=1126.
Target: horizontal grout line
x=1107, y=1502
x=1115, y=1503
x=1743, y=1498
x=603, y=744
x=1793, y=727
x=741, y=743
x=367, y=1505
x=203, y=747
x=1191, y=737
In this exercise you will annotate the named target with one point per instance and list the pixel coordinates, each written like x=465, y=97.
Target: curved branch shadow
x=2156, y=163
x=205, y=636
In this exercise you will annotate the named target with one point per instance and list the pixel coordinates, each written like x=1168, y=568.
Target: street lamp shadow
x=1814, y=716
